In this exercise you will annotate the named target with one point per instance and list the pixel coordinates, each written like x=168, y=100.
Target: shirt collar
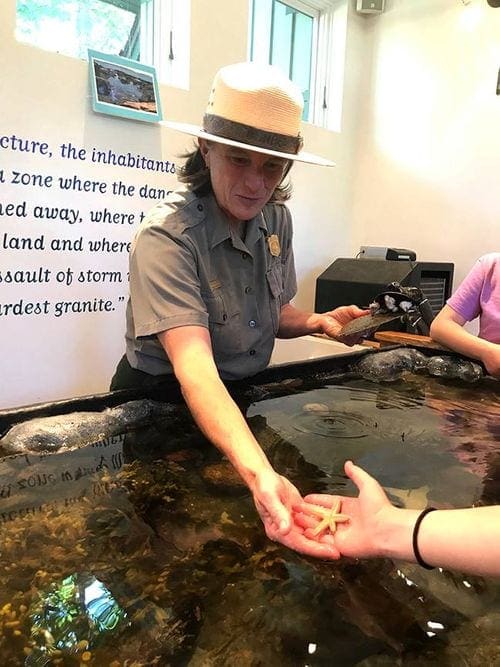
x=256, y=228
x=220, y=225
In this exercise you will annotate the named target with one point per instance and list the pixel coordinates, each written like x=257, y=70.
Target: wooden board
x=402, y=338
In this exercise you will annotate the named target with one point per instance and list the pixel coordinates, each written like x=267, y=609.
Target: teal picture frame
x=124, y=87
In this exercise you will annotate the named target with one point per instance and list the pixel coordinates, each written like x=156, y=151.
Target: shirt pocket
x=274, y=277
x=224, y=324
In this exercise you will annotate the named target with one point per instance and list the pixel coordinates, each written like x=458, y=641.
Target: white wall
x=417, y=165
x=428, y=150
x=45, y=97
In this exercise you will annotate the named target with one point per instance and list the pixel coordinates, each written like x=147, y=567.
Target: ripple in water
x=328, y=423
x=321, y=418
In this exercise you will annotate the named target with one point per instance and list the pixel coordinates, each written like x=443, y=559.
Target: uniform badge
x=274, y=245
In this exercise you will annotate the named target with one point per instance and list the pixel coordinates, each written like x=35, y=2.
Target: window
x=284, y=35
x=306, y=38
x=155, y=32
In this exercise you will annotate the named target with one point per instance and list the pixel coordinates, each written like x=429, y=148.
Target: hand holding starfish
x=329, y=518
x=318, y=515
x=376, y=528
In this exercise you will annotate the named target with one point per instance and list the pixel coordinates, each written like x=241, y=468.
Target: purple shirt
x=479, y=296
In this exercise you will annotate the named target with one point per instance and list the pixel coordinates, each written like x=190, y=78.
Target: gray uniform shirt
x=188, y=266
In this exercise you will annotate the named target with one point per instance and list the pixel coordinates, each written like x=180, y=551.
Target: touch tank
x=126, y=539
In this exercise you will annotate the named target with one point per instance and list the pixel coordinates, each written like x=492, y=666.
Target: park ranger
x=212, y=275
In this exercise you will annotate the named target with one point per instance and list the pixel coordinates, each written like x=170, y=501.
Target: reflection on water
x=33, y=483
x=133, y=554
x=395, y=432
x=69, y=617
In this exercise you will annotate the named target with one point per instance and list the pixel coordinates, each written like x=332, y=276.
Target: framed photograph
x=124, y=87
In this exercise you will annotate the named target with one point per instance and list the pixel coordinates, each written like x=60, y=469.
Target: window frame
x=165, y=42
x=327, y=56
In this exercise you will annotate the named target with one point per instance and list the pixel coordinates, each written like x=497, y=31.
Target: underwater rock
x=224, y=477
x=77, y=429
x=409, y=498
x=316, y=407
x=490, y=622
x=454, y=368
x=390, y=365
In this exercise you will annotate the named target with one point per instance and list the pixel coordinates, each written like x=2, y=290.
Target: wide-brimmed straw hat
x=255, y=107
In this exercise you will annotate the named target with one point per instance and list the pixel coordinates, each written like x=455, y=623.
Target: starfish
x=329, y=518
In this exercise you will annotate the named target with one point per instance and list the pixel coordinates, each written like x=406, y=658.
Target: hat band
x=246, y=134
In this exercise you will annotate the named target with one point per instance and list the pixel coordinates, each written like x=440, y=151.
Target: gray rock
x=390, y=365
x=77, y=429
x=454, y=368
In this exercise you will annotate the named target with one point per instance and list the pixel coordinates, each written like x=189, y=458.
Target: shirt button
x=252, y=323
x=244, y=255
x=224, y=317
x=200, y=207
x=248, y=290
x=252, y=353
